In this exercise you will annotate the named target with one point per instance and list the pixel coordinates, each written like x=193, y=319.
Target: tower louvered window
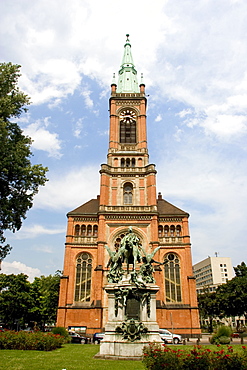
x=83, y=277
x=172, y=278
x=127, y=127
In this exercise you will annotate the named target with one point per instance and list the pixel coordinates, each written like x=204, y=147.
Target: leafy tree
x=15, y=300
x=232, y=296
x=19, y=179
x=22, y=302
x=45, y=292
x=208, y=307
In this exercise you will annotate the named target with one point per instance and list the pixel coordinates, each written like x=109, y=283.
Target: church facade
x=127, y=198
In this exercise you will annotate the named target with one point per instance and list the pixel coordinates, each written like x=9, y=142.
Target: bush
x=224, y=340
x=222, y=335
x=30, y=341
x=61, y=331
x=224, y=331
x=155, y=358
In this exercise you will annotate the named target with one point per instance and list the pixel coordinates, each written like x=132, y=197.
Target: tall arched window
x=128, y=193
x=83, y=277
x=127, y=126
x=172, y=278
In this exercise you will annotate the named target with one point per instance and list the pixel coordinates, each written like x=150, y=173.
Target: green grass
x=69, y=357
x=73, y=357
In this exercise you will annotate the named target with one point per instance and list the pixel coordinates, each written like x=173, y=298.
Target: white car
x=169, y=337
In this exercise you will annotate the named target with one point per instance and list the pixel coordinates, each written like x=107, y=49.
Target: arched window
x=172, y=278
x=172, y=230
x=83, y=277
x=77, y=230
x=95, y=230
x=178, y=230
x=128, y=193
x=166, y=230
x=133, y=162
x=160, y=231
x=127, y=162
x=83, y=230
x=128, y=126
x=122, y=162
x=89, y=230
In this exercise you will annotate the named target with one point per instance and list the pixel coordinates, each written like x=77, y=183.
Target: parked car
x=77, y=338
x=235, y=335
x=169, y=337
x=97, y=337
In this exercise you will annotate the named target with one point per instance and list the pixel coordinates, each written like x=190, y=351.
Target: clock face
x=128, y=115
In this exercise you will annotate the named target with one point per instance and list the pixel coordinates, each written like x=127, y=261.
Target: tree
x=45, y=292
x=19, y=179
x=15, y=300
x=208, y=307
x=23, y=303
x=232, y=296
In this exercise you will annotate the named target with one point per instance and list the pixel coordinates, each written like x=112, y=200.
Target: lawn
x=71, y=357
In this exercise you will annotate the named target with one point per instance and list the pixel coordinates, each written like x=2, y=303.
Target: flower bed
x=26, y=340
x=157, y=357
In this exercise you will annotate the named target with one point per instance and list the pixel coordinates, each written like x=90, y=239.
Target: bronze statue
x=129, y=250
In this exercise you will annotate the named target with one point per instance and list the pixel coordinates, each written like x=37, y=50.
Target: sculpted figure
x=129, y=250
x=147, y=269
x=116, y=272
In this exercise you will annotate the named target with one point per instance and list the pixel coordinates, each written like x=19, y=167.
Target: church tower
x=127, y=198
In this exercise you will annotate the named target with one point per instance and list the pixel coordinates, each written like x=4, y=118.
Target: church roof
x=90, y=207
x=167, y=209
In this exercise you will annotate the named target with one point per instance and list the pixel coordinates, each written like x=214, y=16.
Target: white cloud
x=158, y=118
x=16, y=267
x=69, y=190
x=44, y=139
x=35, y=231
x=78, y=128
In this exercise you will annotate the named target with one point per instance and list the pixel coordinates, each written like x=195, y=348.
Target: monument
x=131, y=291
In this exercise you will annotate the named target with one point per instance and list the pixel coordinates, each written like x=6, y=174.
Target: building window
x=83, y=230
x=128, y=193
x=83, y=277
x=77, y=230
x=95, y=230
x=172, y=278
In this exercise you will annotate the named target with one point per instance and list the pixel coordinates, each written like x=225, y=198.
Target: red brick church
x=128, y=197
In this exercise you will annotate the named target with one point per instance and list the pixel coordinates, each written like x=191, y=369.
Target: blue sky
x=193, y=56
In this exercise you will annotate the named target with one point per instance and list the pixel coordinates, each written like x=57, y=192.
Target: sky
x=193, y=55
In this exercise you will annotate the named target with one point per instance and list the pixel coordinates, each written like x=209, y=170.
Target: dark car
x=77, y=338
x=97, y=337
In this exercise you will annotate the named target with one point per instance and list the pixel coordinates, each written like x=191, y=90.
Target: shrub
x=224, y=340
x=30, y=341
x=156, y=358
x=224, y=331
x=222, y=335
x=61, y=331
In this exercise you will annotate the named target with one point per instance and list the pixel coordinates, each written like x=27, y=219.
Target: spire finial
x=127, y=35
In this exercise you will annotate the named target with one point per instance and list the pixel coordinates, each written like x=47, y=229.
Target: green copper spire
x=127, y=75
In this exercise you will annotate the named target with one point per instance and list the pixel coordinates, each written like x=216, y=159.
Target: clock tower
x=127, y=198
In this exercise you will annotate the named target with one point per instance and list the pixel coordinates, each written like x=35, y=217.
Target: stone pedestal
x=131, y=320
